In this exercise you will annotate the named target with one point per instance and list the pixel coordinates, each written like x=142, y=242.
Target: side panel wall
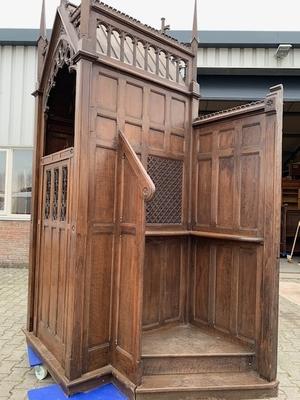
x=156, y=123
x=229, y=171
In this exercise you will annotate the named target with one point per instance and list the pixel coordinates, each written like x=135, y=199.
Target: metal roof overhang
x=246, y=87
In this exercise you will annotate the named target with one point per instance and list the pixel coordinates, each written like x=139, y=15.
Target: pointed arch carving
x=63, y=55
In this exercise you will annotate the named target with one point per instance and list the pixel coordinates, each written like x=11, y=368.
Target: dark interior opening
x=61, y=112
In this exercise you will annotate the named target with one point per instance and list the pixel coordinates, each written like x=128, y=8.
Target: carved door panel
x=53, y=255
x=134, y=187
x=236, y=221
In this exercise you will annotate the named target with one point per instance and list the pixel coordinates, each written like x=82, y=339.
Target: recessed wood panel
x=54, y=270
x=134, y=101
x=163, y=281
x=157, y=108
x=250, y=177
x=105, y=169
x=200, y=281
x=225, y=192
x=134, y=134
x=172, y=279
x=129, y=194
x=177, y=113
x=177, y=144
x=153, y=268
x=224, y=263
x=107, y=93
x=100, y=289
x=62, y=279
x=126, y=300
x=46, y=268
x=203, y=205
x=251, y=135
x=247, y=292
x=205, y=143
x=156, y=139
x=106, y=130
x=226, y=138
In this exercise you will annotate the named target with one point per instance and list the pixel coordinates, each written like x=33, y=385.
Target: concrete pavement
x=16, y=378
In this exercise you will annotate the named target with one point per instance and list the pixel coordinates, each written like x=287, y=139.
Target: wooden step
x=198, y=363
x=226, y=385
x=186, y=349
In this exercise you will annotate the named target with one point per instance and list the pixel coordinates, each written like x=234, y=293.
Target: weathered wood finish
x=165, y=276
x=232, y=159
x=172, y=221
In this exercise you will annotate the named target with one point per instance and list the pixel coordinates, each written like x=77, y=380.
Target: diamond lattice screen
x=166, y=205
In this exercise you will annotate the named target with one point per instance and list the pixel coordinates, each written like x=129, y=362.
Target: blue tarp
x=54, y=392
x=33, y=358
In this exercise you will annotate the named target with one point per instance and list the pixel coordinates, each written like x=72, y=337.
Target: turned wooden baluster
x=135, y=43
x=157, y=55
x=146, y=48
x=122, y=46
x=109, y=32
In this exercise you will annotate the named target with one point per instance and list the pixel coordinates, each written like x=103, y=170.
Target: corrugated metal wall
x=17, y=82
x=212, y=57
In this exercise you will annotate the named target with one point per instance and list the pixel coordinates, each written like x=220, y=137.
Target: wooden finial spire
x=195, y=24
x=43, y=32
x=194, y=42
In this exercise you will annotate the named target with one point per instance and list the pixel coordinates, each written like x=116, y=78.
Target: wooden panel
x=126, y=326
x=205, y=143
x=104, y=194
x=51, y=322
x=172, y=280
x=164, y=271
x=250, y=176
x=224, y=264
x=251, y=134
x=225, y=192
x=106, y=130
x=203, y=199
x=156, y=139
x=225, y=283
x=134, y=134
x=134, y=187
x=200, y=281
x=230, y=176
x=134, y=101
x=226, y=138
x=62, y=282
x=153, y=274
x=157, y=108
x=247, y=290
x=130, y=195
x=107, y=96
x=100, y=289
x=177, y=144
x=177, y=113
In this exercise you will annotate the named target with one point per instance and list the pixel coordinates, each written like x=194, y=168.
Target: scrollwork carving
x=63, y=56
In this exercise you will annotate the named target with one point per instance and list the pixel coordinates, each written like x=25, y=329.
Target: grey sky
x=212, y=14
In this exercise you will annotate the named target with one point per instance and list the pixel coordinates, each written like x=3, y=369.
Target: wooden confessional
x=155, y=233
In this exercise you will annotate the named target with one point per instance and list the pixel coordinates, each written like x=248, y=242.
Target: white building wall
x=18, y=65
x=210, y=57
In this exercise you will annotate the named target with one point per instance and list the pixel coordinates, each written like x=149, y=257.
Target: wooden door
x=134, y=188
x=236, y=225
x=56, y=171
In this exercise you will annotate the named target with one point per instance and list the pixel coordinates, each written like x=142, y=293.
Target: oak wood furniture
x=290, y=215
x=155, y=234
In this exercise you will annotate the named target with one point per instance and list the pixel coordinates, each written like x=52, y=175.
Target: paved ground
x=16, y=378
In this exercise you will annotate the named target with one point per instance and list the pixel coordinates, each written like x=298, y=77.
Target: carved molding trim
x=63, y=55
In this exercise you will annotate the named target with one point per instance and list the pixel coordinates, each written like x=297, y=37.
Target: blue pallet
x=33, y=358
x=54, y=392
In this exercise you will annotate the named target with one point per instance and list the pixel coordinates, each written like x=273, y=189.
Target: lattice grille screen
x=166, y=205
